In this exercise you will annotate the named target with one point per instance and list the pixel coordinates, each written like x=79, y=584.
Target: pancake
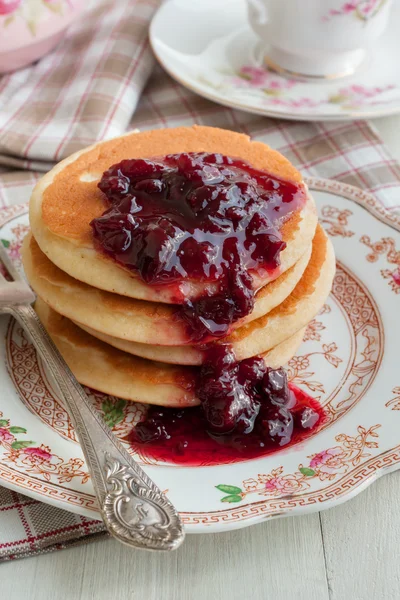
x=302, y=305
x=128, y=318
x=67, y=198
x=261, y=334
x=114, y=372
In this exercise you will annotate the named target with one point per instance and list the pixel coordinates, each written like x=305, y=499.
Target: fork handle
x=133, y=508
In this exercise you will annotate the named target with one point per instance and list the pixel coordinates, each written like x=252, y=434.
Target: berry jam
x=197, y=217
x=247, y=410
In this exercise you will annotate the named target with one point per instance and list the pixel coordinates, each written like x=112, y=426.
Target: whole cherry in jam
x=200, y=217
x=247, y=410
x=229, y=398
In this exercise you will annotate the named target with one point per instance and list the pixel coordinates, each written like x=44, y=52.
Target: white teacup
x=318, y=38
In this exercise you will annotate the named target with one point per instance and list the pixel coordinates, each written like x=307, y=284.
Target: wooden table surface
x=346, y=553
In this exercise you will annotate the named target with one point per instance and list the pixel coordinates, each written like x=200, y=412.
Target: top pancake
x=66, y=200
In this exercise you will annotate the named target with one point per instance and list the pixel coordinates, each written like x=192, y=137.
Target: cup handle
x=258, y=16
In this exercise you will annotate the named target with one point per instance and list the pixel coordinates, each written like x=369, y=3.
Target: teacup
x=317, y=38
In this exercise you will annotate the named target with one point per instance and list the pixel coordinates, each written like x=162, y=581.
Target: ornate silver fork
x=133, y=508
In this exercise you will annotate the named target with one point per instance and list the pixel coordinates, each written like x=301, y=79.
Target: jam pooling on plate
x=247, y=410
x=197, y=217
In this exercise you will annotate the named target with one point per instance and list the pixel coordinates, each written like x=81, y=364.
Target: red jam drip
x=197, y=217
x=247, y=410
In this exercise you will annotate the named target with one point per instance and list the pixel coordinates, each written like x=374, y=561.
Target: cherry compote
x=247, y=410
x=201, y=217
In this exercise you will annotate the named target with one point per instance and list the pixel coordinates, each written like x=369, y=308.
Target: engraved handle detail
x=134, y=510
x=149, y=516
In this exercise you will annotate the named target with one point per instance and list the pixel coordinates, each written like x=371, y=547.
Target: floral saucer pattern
x=280, y=91
x=224, y=66
x=347, y=361
x=361, y=9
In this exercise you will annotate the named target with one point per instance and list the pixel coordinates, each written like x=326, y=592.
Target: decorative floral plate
x=217, y=59
x=349, y=361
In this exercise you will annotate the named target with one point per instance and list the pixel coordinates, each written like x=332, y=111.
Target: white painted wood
x=278, y=560
x=281, y=559
x=362, y=542
x=362, y=537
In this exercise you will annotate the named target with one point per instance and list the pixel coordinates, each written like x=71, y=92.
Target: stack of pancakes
x=122, y=336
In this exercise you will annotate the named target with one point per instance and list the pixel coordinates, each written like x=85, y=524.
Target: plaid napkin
x=90, y=88
x=84, y=91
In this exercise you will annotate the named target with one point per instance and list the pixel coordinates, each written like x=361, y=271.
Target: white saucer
x=209, y=48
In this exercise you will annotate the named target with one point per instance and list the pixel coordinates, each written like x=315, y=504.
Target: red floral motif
x=336, y=221
x=14, y=249
x=385, y=247
x=275, y=90
x=394, y=403
x=329, y=463
x=38, y=460
x=396, y=276
x=289, y=484
x=262, y=79
x=324, y=466
x=325, y=309
x=9, y=6
x=5, y=435
x=393, y=277
x=357, y=96
x=38, y=454
x=8, y=433
x=362, y=9
x=297, y=103
x=312, y=331
x=297, y=365
x=300, y=363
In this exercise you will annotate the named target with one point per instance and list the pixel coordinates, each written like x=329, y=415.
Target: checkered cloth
x=91, y=88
